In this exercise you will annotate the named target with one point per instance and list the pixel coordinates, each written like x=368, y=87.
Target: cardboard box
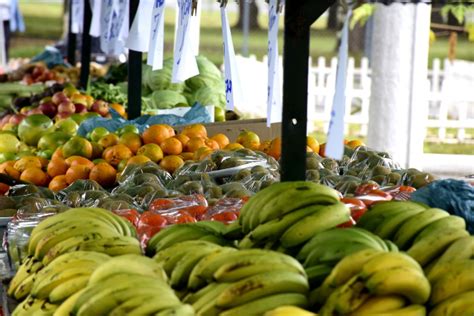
x=232, y=129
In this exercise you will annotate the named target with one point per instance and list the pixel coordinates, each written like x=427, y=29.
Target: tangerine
x=35, y=176
x=171, y=163
x=156, y=134
x=58, y=183
x=187, y=155
x=221, y=139
x=113, y=155
x=195, y=130
x=97, y=150
x=183, y=139
x=249, y=139
x=12, y=172
x=58, y=153
x=109, y=140
x=212, y=144
x=76, y=173
x=355, y=143
x=57, y=167
x=131, y=140
x=172, y=146
x=120, y=109
x=6, y=164
x=104, y=174
x=195, y=143
x=78, y=160
x=27, y=162
x=265, y=146
x=139, y=159
x=152, y=151
x=202, y=153
x=233, y=146
x=312, y=143
x=322, y=150
x=77, y=146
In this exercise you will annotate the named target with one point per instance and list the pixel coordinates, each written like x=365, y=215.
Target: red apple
x=59, y=97
x=80, y=108
x=100, y=107
x=16, y=119
x=66, y=107
x=48, y=108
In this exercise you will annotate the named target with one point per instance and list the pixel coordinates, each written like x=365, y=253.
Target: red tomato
x=195, y=198
x=351, y=222
x=161, y=204
x=406, y=188
x=152, y=219
x=131, y=215
x=196, y=211
x=366, y=188
x=375, y=196
x=225, y=217
x=185, y=218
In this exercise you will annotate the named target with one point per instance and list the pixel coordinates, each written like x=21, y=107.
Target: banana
x=457, y=305
x=268, y=303
x=28, y=267
x=379, y=305
x=288, y=310
x=441, y=269
x=185, y=233
x=387, y=260
x=346, y=298
x=133, y=264
x=181, y=310
x=65, y=309
x=153, y=306
x=461, y=249
x=24, y=288
x=411, y=310
x=305, y=194
x=324, y=219
x=214, y=239
x=64, y=290
x=114, y=246
x=391, y=245
x=125, y=307
x=431, y=246
x=117, y=222
x=455, y=281
x=390, y=225
x=78, y=255
x=254, y=287
x=165, y=232
x=451, y=221
x=317, y=274
x=272, y=230
x=332, y=253
x=213, y=227
x=405, y=281
x=67, y=245
x=410, y=228
x=347, y=234
x=210, y=294
x=233, y=231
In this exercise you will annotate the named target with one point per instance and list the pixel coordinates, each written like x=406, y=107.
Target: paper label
x=96, y=14
x=274, y=98
x=139, y=36
x=114, y=26
x=184, y=62
x=77, y=16
x=233, y=91
x=335, y=138
x=155, y=51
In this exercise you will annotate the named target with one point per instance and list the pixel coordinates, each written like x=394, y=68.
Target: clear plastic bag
x=17, y=238
x=225, y=210
x=131, y=172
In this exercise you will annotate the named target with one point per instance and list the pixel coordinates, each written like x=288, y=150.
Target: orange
x=44, y=161
x=78, y=160
x=355, y=143
x=152, y=151
x=57, y=167
x=187, y=156
x=34, y=175
x=97, y=150
x=113, y=155
x=312, y=143
x=139, y=159
x=6, y=164
x=264, y=146
x=12, y=172
x=131, y=140
x=58, y=183
x=27, y=162
x=104, y=174
x=212, y=144
x=248, y=139
x=309, y=149
x=122, y=164
x=195, y=130
x=171, y=163
x=275, y=148
x=171, y=146
x=233, y=146
x=77, y=146
x=119, y=108
x=157, y=133
x=183, y=139
x=58, y=153
x=76, y=173
x=202, y=153
x=322, y=150
x=170, y=130
x=221, y=139
x=108, y=140
x=195, y=143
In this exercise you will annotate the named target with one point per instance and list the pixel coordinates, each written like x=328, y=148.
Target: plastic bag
x=454, y=196
x=366, y=164
x=17, y=238
x=156, y=174
x=226, y=210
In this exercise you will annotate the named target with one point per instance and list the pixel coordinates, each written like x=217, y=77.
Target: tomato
x=152, y=219
x=351, y=222
x=131, y=215
x=375, y=196
x=225, y=217
x=406, y=188
x=196, y=211
x=195, y=198
x=366, y=188
x=161, y=204
x=185, y=218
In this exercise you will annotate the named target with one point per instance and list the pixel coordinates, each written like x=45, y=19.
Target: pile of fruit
x=285, y=255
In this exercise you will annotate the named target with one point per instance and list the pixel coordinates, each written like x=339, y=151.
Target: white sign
x=274, y=101
x=184, y=62
x=155, y=49
x=139, y=36
x=335, y=138
x=114, y=26
x=233, y=91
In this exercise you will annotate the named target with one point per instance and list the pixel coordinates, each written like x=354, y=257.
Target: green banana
x=65, y=309
x=460, y=304
x=213, y=227
x=254, y=287
x=117, y=222
x=165, y=232
x=458, y=280
x=380, y=305
x=405, y=281
x=185, y=233
x=410, y=310
x=267, y=303
x=317, y=274
x=387, y=260
x=413, y=226
x=113, y=246
x=210, y=294
x=443, y=268
x=61, y=292
x=181, y=310
x=324, y=219
x=451, y=221
x=390, y=225
x=233, y=231
x=461, y=249
x=214, y=239
x=153, y=306
x=392, y=247
x=126, y=306
x=332, y=253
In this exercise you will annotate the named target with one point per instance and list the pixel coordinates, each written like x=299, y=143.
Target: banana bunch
x=289, y=311
x=226, y=281
x=126, y=285
x=211, y=231
x=32, y=306
x=322, y=252
x=22, y=282
x=92, y=229
x=387, y=283
x=287, y=214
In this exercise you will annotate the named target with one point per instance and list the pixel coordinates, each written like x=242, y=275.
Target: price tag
x=77, y=16
x=96, y=14
x=335, y=142
x=274, y=102
x=114, y=26
x=155, y=51
x=139, y=36
x=233, y=90
x=184, y=63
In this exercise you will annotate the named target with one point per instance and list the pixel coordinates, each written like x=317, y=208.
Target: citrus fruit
x=274, y=149
x=58, y=153
x=113, y=155
x=233, y=146
x=131, y=140
x=195, y=130
x=77, y=146
x=97, y=150
x=212, y=144
x=57, y=167
x=109, y=140
x=221, y=139
x=152, y=151
x=312, y=143
x=355, y=143
x=34, y=175
x=104, y=174
x=171, y=163
x=171, y=146
x=195, y=143
x=202, y=153
x=98, y=132
x=33, y=127
x=156, y=134
x=322, y=150
x=8, y=143
x=128, y=128
x=139, y=159
x=52, y=141
x=67, y=126
x=248, y=139
x=58, y=183
x=120, y=109
x=78, y=160
x=27, y=162
x=183, y=139
x=77, y=172
x=187, y=156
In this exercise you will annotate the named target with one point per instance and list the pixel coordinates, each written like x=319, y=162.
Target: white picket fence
x=449, y=106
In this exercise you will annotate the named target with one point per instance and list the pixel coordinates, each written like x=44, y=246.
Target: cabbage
x=167, y=99
x=210, y=96
x=161, y=79
x=209, y=75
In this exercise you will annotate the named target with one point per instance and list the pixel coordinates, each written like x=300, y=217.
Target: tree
x=253, y=15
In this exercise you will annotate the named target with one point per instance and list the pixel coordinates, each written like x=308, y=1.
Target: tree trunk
x=333, y=18
x=253, y=16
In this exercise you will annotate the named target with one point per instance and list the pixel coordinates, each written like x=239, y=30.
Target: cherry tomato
x=131, y=215
x=161, y=204
x=366, y=188
x=152, y=219
x=197, y=211
x=185, y=218
x=225, y=217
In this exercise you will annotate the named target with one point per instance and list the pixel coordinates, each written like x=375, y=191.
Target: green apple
x=67, y=126
x=7, y=156
x=98, y=132
x=219, y=114
x=78, y=118
x=33, y=127
x=52, y=141
x=127, y=129
x=8, y=143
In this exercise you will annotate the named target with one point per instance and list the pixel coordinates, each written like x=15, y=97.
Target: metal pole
x=245, y=28
x=86, y=46
x=299, y=15
x=71, y=38
x=134, y=108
